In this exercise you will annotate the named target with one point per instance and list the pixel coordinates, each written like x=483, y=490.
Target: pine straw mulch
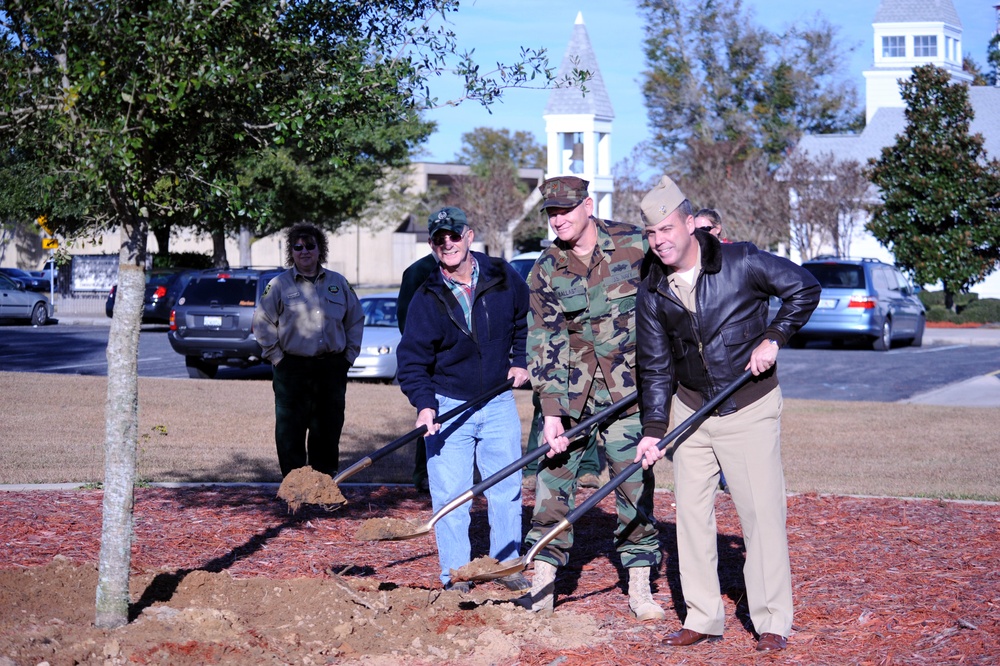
x=876, y=580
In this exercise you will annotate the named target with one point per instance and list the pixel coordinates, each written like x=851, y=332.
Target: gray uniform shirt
x=299, y=317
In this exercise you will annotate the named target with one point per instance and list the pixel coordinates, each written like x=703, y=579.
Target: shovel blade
x=507, y=567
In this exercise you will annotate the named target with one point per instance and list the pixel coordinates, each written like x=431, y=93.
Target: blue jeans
x=491, y=439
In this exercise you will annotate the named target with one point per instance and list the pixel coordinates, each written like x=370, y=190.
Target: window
x=925, y=46
x=894, y=47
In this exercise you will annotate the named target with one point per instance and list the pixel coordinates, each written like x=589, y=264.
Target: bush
x=932, y=298
x=985, y=311
x=939, y=313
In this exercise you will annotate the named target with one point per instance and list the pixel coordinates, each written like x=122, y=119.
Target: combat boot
x=541, y=599
x=640, y=599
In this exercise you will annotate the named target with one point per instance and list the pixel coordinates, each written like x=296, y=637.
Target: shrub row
x=975, y=311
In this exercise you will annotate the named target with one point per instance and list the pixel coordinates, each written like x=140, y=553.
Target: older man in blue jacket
x=466, y=333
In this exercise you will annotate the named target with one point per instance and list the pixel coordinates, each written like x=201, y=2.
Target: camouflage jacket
x=578, y=322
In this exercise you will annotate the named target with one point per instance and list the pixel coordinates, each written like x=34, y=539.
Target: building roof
x=571, y=101
x=888, y=122
x=917, y=11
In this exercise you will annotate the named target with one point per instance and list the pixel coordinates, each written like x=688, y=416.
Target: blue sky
x=496, y=29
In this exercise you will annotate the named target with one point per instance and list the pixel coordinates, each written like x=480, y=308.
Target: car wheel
x=884, y=341
x=198, y=369
x=918, y=336
x=40, y=315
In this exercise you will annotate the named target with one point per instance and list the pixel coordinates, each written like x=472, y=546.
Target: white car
x=377, y=359
x=523, y=262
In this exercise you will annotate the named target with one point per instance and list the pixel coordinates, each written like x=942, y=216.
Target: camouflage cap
x=449, y=218
x=563, y=192
x=661, y=201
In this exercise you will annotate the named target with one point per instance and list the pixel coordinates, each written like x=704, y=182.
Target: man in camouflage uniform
x=581, y=342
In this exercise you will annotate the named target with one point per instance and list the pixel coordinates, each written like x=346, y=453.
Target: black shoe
x=515, y=582
x=462, y=587
x=422, y=485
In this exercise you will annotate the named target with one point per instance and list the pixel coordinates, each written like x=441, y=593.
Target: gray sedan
x=16, y=302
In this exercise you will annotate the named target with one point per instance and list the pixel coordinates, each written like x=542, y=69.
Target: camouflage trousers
x=635, y=535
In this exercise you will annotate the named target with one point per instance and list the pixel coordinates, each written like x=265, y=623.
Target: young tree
x=940, y=209
x=493, y=195
x=828, y=198
x=158, y=109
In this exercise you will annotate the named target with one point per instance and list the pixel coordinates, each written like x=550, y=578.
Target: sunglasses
x=298, y=247
x=440, y=238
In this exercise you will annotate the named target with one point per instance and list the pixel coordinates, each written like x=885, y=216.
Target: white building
x=907, y=34
x=578, y=124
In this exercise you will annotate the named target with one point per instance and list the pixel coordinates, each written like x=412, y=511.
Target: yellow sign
x=43, y=222
x=50, y=244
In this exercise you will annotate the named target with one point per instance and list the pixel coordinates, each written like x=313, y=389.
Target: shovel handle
x=606, y=489
x=417, y=432
x=575, y=431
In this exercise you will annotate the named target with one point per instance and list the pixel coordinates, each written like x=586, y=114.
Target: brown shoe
x=686, y=637
x=769, y=642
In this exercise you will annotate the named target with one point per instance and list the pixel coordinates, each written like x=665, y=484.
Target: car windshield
x=158, y=279
x=523, y=266
x=379, y=311
x=221, y=291
x=838, y=276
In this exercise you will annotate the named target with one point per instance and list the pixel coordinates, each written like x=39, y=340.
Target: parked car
x=863, y=300
x=16, y=302
x=212, y=321
x=163, y=286
x=377, y=359
x=49, y=271
x=30, y=282
x=523, y=262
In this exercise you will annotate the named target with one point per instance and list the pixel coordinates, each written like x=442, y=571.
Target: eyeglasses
x=298, y=247
x=439, y=238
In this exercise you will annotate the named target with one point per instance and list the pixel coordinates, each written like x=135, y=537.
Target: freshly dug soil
x=307, y=486
x=381, y=529
x=477, y=567
x=224, y=575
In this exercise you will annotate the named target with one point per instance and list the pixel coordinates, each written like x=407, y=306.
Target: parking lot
x=818, y=372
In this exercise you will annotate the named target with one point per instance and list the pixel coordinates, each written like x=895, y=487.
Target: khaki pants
x=747, y=446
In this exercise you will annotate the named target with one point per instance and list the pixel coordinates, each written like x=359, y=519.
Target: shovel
x=486, y=484
x=417, y=432
x=518, y=565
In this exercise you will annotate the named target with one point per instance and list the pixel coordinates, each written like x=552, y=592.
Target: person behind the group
x=702, y=321
x=710, y=220
x=466, y=333
x=414, y=276
x=582, y=348
x=309, y=325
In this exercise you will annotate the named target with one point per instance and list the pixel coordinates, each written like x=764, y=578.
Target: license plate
x=827, y=302
x=212, y=321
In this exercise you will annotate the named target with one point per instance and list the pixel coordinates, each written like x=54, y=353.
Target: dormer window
x=925, y=46
x=894, y=47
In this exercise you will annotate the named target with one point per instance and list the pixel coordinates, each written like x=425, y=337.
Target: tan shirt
x=298, y=317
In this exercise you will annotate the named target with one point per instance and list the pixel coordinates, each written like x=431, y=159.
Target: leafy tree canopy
x=940, y=210
x=715, y=75
x=484, y=145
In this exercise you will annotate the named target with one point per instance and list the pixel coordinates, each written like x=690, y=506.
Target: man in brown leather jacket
x=701, y=320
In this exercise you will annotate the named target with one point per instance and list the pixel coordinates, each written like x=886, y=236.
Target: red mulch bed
x=877, y=581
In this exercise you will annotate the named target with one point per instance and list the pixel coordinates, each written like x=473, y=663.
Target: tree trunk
x=162, y=234
x=244, y=244
x=949, y=297
x=121, y=432
x=219, y=259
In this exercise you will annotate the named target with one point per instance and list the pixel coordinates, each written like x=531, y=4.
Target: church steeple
x=910, y=33
x=578, y=125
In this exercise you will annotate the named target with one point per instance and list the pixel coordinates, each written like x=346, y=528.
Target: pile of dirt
x=213, y=618
x=383, y=529
x=307, y=486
